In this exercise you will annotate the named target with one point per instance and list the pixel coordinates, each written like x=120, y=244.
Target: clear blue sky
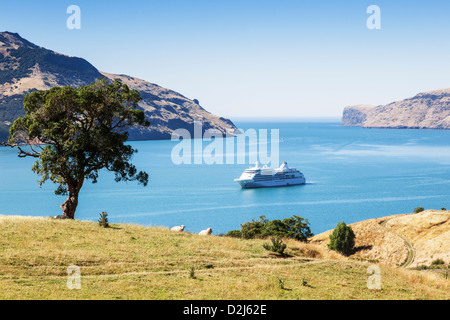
x=254, y=58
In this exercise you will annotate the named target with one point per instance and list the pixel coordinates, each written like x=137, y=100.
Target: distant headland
x=427, y=110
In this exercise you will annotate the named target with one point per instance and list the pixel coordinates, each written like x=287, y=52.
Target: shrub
x=234, y=234
x=305, y=283
x=437, y=262
x=419, y=209
x=192, y=273
x=443, y=209
x=295, y=228
x=342, y=239
x=253, y=229
x=421, y=267
x=277, y=245
x=281, y=282
x=103, y=220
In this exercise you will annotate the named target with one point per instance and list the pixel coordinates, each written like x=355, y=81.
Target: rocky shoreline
x=428, y=110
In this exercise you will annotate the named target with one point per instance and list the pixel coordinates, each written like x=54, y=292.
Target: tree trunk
x=70, y=205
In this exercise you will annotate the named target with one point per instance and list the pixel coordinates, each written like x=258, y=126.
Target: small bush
x=277, y=245
x=192, y=273
x=419, y=209
x=444, y=209
x=103, y=220
x=422, y=267
x=281, y=282
x=342, y=239
x=305, y=282
x=437, y=262
x=434, y=265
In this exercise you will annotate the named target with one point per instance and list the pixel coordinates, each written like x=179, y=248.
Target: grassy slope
x=383, y=239
x=134, y=262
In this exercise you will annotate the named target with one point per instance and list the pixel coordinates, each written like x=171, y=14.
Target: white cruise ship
x=257, y=177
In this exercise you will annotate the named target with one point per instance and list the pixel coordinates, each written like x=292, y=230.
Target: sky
x=289, y=59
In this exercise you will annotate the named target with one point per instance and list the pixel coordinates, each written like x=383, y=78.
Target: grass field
x=136, y=262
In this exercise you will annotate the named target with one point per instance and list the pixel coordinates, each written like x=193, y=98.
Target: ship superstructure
x=264, y=177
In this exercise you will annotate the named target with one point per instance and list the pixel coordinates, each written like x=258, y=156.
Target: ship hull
x=250, y=184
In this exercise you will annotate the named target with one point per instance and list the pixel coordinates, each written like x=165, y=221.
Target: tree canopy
x=342, y=239
x=76, y=132
x=294, y=227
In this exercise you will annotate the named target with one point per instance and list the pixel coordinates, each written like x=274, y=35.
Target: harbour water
x=352, y=174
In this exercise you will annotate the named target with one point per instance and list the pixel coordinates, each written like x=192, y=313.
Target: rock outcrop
x=428, y=110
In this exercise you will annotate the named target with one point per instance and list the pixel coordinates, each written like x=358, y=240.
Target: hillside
x=4, y=132
x=411, y=240
x=425, y=110
x=25, y=67
x=136, y=262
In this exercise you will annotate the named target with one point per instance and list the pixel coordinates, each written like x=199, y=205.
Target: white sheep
x=206, y=232
x=178, y=228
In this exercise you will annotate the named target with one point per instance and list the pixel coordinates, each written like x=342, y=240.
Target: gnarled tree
x=76, y=132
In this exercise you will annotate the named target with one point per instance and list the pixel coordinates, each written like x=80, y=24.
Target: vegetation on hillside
x=64, y=67
x=277, y=246
x=19, y=64
x=294, y=227
x=419, y=209
x=342, y=239
x=11, y=107
x=4, y=132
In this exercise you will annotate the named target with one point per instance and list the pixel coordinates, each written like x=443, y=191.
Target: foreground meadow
x=136, y=262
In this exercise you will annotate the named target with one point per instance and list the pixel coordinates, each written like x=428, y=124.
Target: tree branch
x=22, y=153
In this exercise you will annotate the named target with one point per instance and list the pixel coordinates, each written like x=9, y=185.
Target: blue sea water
x=352, y=174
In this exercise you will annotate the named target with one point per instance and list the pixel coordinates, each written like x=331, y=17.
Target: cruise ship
x=265, y=177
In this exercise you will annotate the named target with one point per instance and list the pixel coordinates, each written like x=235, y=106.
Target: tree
x=294, y=227
x=342, y=239
x=76, y=132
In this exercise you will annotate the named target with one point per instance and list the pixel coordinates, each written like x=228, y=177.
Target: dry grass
x=428, y=232
x=135, y=262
